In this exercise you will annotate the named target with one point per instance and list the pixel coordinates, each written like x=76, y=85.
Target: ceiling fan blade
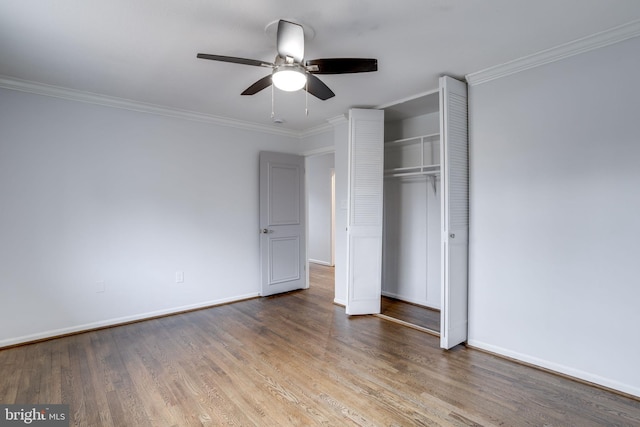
x=342, y=65
x=235, y=60
x=290, y=40
x=263, y=83
x=318, y=89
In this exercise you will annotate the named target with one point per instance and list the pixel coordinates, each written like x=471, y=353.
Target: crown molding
x=317, y=130
x=585, y=44
x=319, y=151
x=126, y=104
x=342, y=118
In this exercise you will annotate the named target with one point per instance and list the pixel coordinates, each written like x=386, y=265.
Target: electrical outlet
x=100, y=286
x=179, y=276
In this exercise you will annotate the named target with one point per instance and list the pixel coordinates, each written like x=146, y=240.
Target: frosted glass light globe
x=289, y=79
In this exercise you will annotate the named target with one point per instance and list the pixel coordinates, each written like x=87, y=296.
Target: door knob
x=265, y=231
x=453, y=236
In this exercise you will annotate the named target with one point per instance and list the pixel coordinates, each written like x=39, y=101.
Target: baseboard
x=408, y=324
x=563, y=370
x=410, y=300
x=317, y=261
x=56, y=333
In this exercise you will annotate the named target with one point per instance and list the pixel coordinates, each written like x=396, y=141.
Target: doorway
x=411, y=284
x=321, y=208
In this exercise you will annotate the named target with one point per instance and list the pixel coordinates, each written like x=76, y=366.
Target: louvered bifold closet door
x=454, y=161
x=364, y=228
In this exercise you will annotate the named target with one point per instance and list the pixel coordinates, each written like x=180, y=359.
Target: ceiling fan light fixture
x=290, y=71
x=289, y=78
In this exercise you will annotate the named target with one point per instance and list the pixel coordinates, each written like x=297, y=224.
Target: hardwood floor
x=292, y=359
x=411, y=313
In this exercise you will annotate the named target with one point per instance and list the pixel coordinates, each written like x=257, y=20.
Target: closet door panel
x=364, y=230
x=455, y=211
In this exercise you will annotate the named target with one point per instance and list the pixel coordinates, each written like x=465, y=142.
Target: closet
x=411, y=206
x=411, y=244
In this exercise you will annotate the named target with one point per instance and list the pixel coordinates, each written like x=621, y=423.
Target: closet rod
x=413, y=138
x=425, y=173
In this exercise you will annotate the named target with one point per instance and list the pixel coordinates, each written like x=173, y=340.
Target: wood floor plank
x=9, y=361
x=415, y=314
x=292, y=359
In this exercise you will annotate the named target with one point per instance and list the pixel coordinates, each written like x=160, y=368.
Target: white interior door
x=364, y=224
x=454, y=163
x=282, y=223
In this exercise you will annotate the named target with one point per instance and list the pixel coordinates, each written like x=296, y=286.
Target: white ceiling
x=145, y=50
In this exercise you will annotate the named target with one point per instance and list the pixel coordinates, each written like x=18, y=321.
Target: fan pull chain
x=306, y=97
x=273, y=112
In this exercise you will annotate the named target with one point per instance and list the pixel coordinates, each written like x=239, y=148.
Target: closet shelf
x=413, y=171
x=413, y=156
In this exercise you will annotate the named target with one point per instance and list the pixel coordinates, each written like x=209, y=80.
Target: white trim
x=121, y=320
x=126, y=104
x=421, y=302
x=342, y=118
x=320, y=262
x=408, y=98
x=323, y=128
x=585, y=44
x=408, y=324
x=319, y=151
x=563, y=369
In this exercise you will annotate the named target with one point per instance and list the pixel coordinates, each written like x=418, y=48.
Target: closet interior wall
x=411, y=231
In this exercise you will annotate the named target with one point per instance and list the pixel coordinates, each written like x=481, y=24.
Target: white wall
x=555, y=208
x=424, y=124
x=319, y=171
x=318, y=142
x=91, y=193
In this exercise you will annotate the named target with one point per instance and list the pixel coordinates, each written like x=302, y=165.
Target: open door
x=364, y=223
x=454, y=163
x=282, y=223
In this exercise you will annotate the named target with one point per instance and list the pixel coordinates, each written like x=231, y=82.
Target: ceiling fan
x=290, y=72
